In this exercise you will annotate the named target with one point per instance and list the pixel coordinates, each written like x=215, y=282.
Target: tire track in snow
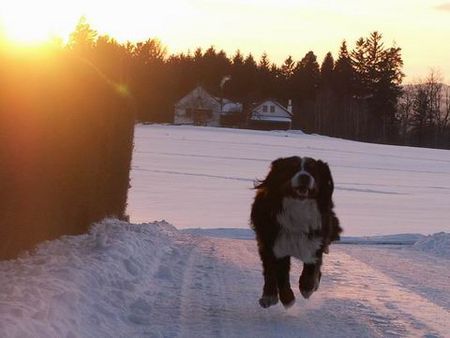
x=157, y=300
x=207, y=287
x=220, y=295
x=201, y=294
x=389, y=307
x=222, y=285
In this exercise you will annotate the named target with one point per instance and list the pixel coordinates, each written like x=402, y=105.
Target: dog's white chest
x=300, y=215
x=297, y=219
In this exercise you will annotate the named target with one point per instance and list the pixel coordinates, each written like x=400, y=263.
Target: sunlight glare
x=34, y=22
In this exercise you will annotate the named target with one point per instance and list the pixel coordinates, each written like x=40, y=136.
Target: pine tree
x=83, y=37
x=358, y=58
x=378, y=79
x=344, y=74
x=305, y=83
x=265, y=80
x=238, y=59
x=287, y=68
x=150, y=52
x=250, y=70
x=284, y=80
x=235, y=88
x=307, y=77
x=326, y=71
x=325, y=98
x=264, y=62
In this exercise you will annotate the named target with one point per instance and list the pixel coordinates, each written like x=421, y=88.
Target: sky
x=278, y=27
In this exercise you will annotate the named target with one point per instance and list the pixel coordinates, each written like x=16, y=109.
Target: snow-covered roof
x=230, y=106
x=274, y=102
x=270, y=118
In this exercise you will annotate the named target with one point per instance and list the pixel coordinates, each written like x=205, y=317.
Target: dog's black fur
x=299, y=179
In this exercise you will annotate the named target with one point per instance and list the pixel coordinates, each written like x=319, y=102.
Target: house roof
x=199, y=90
x=202, y=90
x=274, y=102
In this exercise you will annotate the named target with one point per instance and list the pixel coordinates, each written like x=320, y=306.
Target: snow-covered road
x=125, y=280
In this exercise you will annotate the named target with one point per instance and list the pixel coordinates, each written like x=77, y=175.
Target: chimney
x=289, y=106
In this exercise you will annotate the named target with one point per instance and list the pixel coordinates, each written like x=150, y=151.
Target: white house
x=201, y=108
x=270, y=114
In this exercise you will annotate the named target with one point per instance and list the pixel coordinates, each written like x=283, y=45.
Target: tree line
x=424, y=113
x=355, y=96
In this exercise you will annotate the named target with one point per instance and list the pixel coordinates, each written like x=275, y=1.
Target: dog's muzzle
x=303, y=184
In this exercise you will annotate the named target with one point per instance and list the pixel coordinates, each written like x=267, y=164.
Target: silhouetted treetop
x=83, y=36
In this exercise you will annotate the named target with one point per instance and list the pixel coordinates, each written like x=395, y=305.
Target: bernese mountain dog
x=292, y=216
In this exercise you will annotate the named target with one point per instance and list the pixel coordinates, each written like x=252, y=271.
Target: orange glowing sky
x=279, y=27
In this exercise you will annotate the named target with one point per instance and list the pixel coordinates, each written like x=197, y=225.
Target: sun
x=25, y=35
x=33, y=22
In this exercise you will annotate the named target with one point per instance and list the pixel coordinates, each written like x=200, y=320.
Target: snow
x=401, y=239
x=232, y=233
x=203, y=177
x=438, y=244
x=203, y=278
x=236, y=233
x=271, y=118
x=152, y=280
x=83, y=286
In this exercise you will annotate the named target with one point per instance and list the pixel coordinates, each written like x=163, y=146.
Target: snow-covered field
x=158, y=280
x=202, y=177
x=152, y=280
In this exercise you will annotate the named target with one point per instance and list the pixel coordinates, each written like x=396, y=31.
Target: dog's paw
x=306, y=293
x=309, y=286
x=266, y=301
x=287, y=297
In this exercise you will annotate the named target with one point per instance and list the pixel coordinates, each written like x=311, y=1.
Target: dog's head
x=299, y=177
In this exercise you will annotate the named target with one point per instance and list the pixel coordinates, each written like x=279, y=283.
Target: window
x=264, y=109
x=272, y=109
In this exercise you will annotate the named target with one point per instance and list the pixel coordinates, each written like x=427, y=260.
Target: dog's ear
x=278, y=162
x=277, y=168
x=285, y=162
x=326, y=182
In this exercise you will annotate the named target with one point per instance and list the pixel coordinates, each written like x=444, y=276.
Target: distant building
x=271, y=115
x=202, y=109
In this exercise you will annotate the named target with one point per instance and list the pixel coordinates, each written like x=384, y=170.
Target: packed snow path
x=151, y=280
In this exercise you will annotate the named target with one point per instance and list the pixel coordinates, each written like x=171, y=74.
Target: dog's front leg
x=310, y=277
x=284, y=286
x=270, y=289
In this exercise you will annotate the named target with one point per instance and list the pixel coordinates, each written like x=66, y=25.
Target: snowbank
x=400, y=239
x=237, y=233
x=437, y=244
x=231, y=233
x=81, y=286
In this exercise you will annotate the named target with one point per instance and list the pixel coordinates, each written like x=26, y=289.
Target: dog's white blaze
x=294, y=179
x=297, y=218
